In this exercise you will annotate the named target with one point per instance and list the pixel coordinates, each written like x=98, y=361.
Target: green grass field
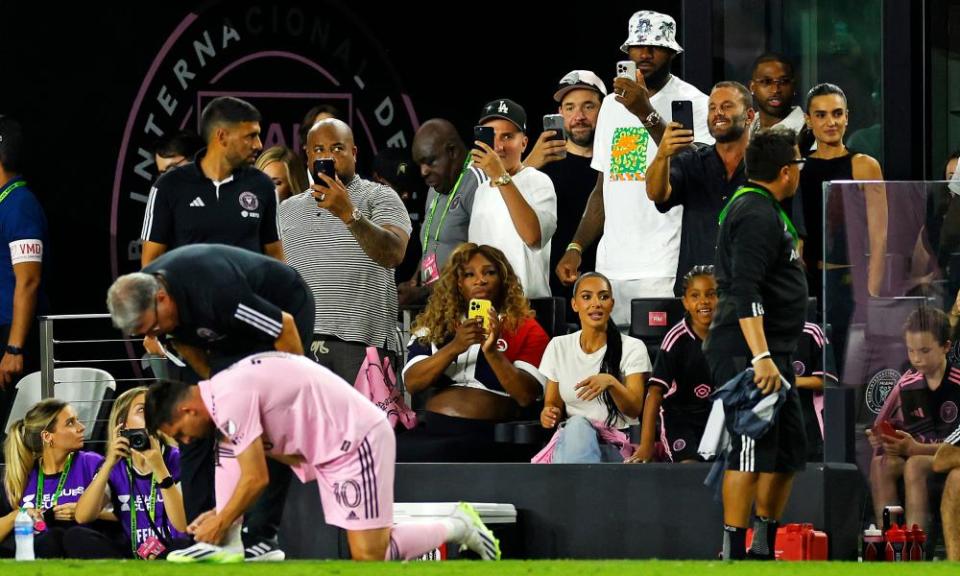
x=476, y=568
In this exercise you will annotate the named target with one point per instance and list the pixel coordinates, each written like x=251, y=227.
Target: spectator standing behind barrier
x=453, y=182
x=285, y=169
x=478, y=376
x=702, y=179
x=566, y=158
x=218, y=304
x=345, y=236
x=680, y=388
x=291, y=410
x=174, y=150
x=393, y=167
x=595, y=379
x=760, y=315
x=640, y=246
x=515, y=210
x=219, y=197
x=773, y=83
x=142, y=484
x=23, y=233
x=922, y=410
x=46, y=473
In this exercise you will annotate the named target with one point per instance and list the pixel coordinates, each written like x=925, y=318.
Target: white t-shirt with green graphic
x=638, y=241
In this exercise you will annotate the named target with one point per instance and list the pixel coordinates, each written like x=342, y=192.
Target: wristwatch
x=355, y=216
x=651, y=120
x=166, y=483
x=14, y=350
x=502, y=180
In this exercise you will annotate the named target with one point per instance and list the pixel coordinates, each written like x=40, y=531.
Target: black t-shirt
x=573, y=180
x=682, y=371
x=229, y=300
x=698, y=182
x=809, y=361
x=759, y=274
x=185, y=207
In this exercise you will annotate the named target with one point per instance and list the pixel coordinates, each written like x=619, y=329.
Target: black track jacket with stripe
x=759, y=273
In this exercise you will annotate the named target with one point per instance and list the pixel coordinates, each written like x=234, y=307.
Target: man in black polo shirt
x=218, y=304
x=219, y=198
x=763, y=301
x=702, y=179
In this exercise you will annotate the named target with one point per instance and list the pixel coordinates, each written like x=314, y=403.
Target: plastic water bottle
x=23, y=529
x=873, y=545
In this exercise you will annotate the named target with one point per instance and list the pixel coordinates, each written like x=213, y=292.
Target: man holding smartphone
x=345, y=236
x=702, y=179
x=566, y=160
x=516, y=209
x=640, y=246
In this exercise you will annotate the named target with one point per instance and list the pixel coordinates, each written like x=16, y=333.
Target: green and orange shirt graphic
x=628, y=154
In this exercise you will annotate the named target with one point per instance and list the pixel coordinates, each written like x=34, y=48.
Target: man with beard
x=702, y=179
x=567, y=162
x=773, y=86
x=640, y=246
x=219, y=197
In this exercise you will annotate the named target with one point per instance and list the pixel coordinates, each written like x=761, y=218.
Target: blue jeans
x=579, y=443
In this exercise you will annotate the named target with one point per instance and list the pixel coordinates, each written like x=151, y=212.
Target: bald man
x=442, y=157
x=345, y=236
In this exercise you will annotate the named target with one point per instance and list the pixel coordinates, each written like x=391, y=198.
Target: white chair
x=83, y=388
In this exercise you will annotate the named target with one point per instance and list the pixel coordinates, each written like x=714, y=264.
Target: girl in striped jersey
x=922, y=409
x=681, y=384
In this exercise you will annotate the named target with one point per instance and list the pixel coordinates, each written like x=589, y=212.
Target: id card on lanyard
x=41, y=478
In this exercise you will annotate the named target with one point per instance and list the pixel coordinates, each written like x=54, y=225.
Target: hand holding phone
x=885, y=428
x=627, y=69
x=483, y=134
x=480, y=308
x=324, y=166
x=683, y=113
x=554, y=122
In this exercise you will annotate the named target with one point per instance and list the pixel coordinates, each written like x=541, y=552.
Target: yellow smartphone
x=480, y=308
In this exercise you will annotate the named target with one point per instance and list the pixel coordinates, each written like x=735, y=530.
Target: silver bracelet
x=760, y=356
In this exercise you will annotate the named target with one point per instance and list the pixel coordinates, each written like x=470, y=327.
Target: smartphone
x=884, y=428
x=480, y=308
x=683, y=113
x=554, y=122
x=627, y=69
x=324, y=166
x=483, y=134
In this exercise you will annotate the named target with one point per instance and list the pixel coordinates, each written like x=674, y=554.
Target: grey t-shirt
x=452, y=227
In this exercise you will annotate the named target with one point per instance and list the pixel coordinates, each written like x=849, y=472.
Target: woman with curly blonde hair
x=480, y=372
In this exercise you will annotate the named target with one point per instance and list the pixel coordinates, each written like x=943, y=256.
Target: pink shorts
x=356, y=489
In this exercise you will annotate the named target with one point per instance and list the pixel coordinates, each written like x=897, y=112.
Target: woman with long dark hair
x=595, y=380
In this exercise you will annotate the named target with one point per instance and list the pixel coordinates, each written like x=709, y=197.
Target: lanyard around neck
x=63, y=480
x=443, y=217
x=750, y=189
x=10, y=188
x=151, y=504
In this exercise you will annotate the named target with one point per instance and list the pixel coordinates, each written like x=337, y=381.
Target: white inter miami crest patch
x=249, y=201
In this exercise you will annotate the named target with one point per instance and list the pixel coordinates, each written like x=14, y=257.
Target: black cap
x=506, y=109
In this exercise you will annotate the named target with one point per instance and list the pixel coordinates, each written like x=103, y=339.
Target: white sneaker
x=203, y=552
x=478, y=538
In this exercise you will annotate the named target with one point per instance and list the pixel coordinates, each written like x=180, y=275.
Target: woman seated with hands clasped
x=483, y=370
x=595, y=382
x=140, y=475
x=46, y=473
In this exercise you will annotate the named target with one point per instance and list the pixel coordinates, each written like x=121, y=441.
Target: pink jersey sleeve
x=235, y=409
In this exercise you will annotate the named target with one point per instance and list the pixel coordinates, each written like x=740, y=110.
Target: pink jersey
x=295, y=405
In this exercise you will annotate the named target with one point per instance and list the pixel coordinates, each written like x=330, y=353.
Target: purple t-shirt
x=119, y=482
x=82, y=471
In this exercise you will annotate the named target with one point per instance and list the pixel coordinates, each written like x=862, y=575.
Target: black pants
x=80, y=542
x=31, y=363
x=197, y=459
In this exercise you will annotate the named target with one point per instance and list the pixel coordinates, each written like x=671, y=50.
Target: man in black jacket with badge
x=759, y=320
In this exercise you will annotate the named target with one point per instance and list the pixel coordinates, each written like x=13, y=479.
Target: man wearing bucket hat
x=640, y=247
x=566, y=158
x=516, y=209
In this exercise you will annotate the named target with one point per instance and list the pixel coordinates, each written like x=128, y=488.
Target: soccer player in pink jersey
x=299, y=413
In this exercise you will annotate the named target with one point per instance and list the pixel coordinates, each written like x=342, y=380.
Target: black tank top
x=815, y=172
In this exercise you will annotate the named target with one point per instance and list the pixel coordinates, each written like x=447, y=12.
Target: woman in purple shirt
x=46, y=473
x=143, y=475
